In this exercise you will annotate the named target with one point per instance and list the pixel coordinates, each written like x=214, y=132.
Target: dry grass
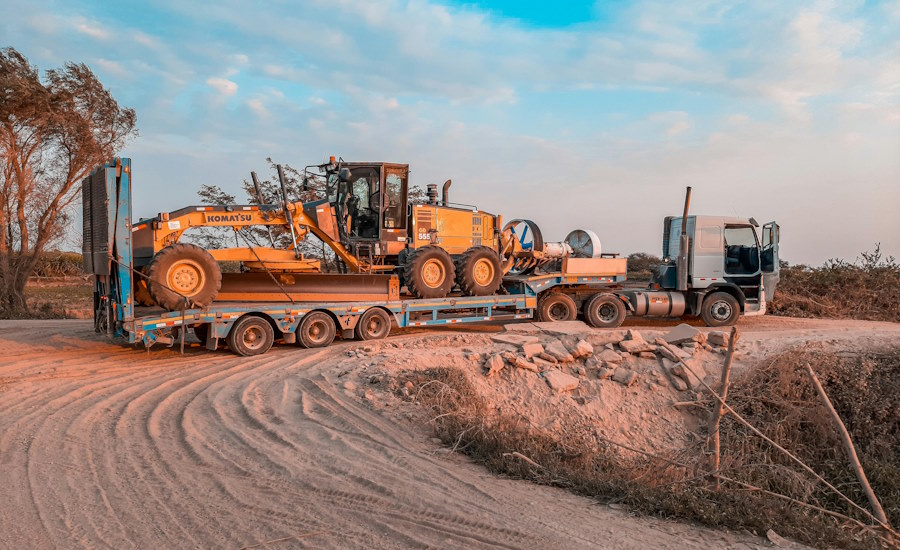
x=868, y=288
x=775, y=399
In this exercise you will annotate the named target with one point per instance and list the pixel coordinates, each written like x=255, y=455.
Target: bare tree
x=52, y=133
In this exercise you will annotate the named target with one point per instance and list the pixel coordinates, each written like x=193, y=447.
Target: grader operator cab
x=367, y=220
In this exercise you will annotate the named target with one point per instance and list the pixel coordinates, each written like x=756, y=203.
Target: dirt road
x=103, y=445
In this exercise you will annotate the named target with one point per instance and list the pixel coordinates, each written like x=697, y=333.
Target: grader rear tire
x=428, y=272
x=182, y=271
x=478, y=272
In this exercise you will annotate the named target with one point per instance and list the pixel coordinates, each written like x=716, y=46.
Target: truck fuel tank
x=656, y=303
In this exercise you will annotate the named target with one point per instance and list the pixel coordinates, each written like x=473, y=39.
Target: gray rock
x=582, y=350
x=514, y=339
x=681, y=333
x=542, y=363
x=718, y=338
x=558, y=350
x=604, y=373
x=635, y=346
x=523, y=363
x=531, y=349
x=560, y=381
x=609, y=356
x=624, y=376
x=547, y=357
x=494, y=364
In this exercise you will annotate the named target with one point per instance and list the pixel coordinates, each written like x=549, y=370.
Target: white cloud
x=224, y=86
x=258, y=107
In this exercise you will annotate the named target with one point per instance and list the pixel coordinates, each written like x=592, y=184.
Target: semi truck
x=716, y=269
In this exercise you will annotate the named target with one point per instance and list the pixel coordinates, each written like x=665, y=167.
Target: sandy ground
x=102, y=445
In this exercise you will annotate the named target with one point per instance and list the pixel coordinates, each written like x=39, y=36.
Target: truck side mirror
x=344, y=175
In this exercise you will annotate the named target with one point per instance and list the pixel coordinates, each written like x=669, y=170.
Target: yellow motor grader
x=369, y=223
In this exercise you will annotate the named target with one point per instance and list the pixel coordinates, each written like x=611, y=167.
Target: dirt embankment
x=103, y=445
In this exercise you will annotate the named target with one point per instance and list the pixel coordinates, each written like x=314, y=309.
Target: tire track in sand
x=112, y=447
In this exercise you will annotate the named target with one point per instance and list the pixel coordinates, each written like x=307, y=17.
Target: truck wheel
x=374, y=324
x=185, y=270
x=720, y=309
x=604, y=311
x=428, y=272
x=316, y=330
x=557, y=307
x=478, y=272
x=251, y=335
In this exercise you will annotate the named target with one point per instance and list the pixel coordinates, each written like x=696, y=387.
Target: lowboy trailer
x=714, y=267
x=250, y=327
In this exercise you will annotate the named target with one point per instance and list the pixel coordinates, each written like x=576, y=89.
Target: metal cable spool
x=584, y=243
x=530, y=240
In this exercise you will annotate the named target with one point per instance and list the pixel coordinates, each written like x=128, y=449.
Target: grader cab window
x=395, y=199
x=362, y=202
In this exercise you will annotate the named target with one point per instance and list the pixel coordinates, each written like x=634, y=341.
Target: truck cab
x=725, y=255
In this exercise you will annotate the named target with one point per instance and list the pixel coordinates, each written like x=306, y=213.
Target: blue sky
x=571, y=114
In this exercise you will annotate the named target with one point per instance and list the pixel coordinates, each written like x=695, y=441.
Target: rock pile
x=564, y=356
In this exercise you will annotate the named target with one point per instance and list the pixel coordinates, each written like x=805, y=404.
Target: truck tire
x=478, y=272
x=556, y=306
x=720, y=309
x=373, y=324
x=604, y=311
x=181, y=271
x=316, y=330
x=250, y=335
x=428, y=272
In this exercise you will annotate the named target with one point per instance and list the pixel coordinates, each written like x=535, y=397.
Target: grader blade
x=307, y=287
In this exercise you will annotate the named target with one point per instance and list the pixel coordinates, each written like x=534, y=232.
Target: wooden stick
x=716, y=415
x=517, y=454
x=790, y=455
x=848, y=446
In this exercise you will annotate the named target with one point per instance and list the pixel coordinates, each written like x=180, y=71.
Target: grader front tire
x=183, y=275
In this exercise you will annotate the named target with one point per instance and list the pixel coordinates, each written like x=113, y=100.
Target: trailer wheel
x=557, y=307
x=604, y=311
x=428, y=272
x=251, y=335
x=183, y=270
x=478, y=271
x=316, y=330
x=720, y=309
x=374, y=324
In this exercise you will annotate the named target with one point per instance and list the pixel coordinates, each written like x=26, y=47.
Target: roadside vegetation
x=868, y=288
x=777, y=398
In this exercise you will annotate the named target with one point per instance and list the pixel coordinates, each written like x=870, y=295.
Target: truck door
x=769, y=262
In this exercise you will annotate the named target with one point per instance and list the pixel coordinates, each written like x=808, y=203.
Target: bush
x=58, y=264
x=641, y=265
x=866, y=289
